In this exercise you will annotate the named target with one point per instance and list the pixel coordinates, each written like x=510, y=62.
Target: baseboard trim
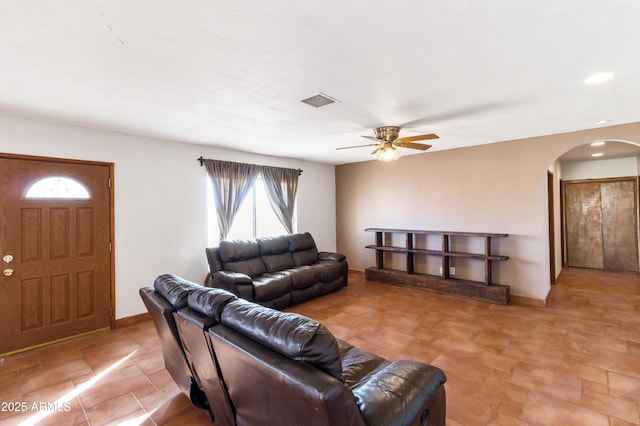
x=132, y=320
x=356, y=271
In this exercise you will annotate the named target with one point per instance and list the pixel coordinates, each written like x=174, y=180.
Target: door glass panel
x=58, y=187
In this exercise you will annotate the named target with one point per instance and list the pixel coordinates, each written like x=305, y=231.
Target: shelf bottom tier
x=493, y=293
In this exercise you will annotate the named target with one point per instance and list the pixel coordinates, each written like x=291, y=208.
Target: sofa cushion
x=210, y=301
x=292, y=335
x=303, y=249
x=401, y=390
x=270, y=286
x=358, y=363
x=334, y=257
x=301, y=241
x=251, y=267
x=275, y=253
x=236, y=250
x=302, y=276
x=273, y=245
x=305, y=257
x=278, y=262
x=329, y=271
x=174, y=289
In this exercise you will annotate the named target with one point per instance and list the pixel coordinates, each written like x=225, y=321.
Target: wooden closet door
x=619, y=232
x=601, y=224
x=584, y=225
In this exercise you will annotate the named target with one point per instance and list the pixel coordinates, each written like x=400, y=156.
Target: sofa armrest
x=239, y=284
x=404, y=392
x=336, y=257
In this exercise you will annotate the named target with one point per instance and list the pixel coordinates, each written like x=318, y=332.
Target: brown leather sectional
x=276, y=271
x=259, y=366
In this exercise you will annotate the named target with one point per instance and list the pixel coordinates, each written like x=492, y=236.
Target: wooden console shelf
x=481, y=290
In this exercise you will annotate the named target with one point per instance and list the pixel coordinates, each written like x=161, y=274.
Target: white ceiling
x=231, y=73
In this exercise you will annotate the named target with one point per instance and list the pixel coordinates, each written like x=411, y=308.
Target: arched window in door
x=58, y=187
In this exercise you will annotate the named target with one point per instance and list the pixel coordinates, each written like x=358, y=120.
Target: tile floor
x=575, y=362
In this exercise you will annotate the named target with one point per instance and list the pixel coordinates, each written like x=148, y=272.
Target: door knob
x=8, y=272
x=7, y=258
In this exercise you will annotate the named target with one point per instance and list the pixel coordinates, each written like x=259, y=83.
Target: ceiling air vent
x=319, y=100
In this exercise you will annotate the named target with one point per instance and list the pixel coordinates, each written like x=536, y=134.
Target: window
x=254, y=219
x=58, y=187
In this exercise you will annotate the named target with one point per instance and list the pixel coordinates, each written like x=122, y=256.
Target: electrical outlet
x=452, y=270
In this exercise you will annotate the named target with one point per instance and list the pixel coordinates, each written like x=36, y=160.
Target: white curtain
x=231, y=183
x=282, y=185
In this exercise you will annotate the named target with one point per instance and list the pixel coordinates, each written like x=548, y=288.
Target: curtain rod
x=201, y=160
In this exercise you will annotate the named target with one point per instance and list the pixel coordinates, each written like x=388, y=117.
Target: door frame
x=112, y=271
x=552, y=226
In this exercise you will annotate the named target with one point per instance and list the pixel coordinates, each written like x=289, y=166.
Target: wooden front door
x=55, y=251
x=601, y=224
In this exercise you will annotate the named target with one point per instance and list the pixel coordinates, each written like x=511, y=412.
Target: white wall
x=497, y=188
x=600, y=169
x=160, y=198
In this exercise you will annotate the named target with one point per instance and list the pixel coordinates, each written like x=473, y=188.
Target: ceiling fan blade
x=356, y=146
x=420, y=146
x=418, y=138
x=374, y=139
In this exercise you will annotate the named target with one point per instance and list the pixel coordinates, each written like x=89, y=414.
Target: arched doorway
x=580, y=178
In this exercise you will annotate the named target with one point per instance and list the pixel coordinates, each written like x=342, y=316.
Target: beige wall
x=499, y=188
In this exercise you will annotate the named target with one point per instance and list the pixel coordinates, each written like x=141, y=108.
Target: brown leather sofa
x=169, y=294
x=260, y=366
x=276, y=271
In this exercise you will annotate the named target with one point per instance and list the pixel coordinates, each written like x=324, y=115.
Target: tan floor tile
x=505, y=391
x=595, y=387
x=10, y=388
x=548, y=381
x=613, y=361
x=138, y=418
x=545, y=410
x=624, y=386
x=498, y=362
x=576, y=368
x=491, y=340
x=20, y=361
x=34, y=378
x=113, y=409
x=111, y=385
x=610, y=406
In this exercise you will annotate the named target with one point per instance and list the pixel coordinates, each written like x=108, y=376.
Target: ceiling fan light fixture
x=388, y=153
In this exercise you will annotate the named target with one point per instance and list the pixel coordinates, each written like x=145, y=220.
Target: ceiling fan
x=387, y=142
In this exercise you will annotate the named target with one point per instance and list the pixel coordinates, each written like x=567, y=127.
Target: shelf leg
x=445, y=259
x=410, y=257
x=487, y=262
x=379, y=253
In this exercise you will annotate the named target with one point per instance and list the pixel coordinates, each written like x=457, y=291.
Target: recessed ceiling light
x=599, y=78
x=599, y=122
x=597, y=154
x=597, y=143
